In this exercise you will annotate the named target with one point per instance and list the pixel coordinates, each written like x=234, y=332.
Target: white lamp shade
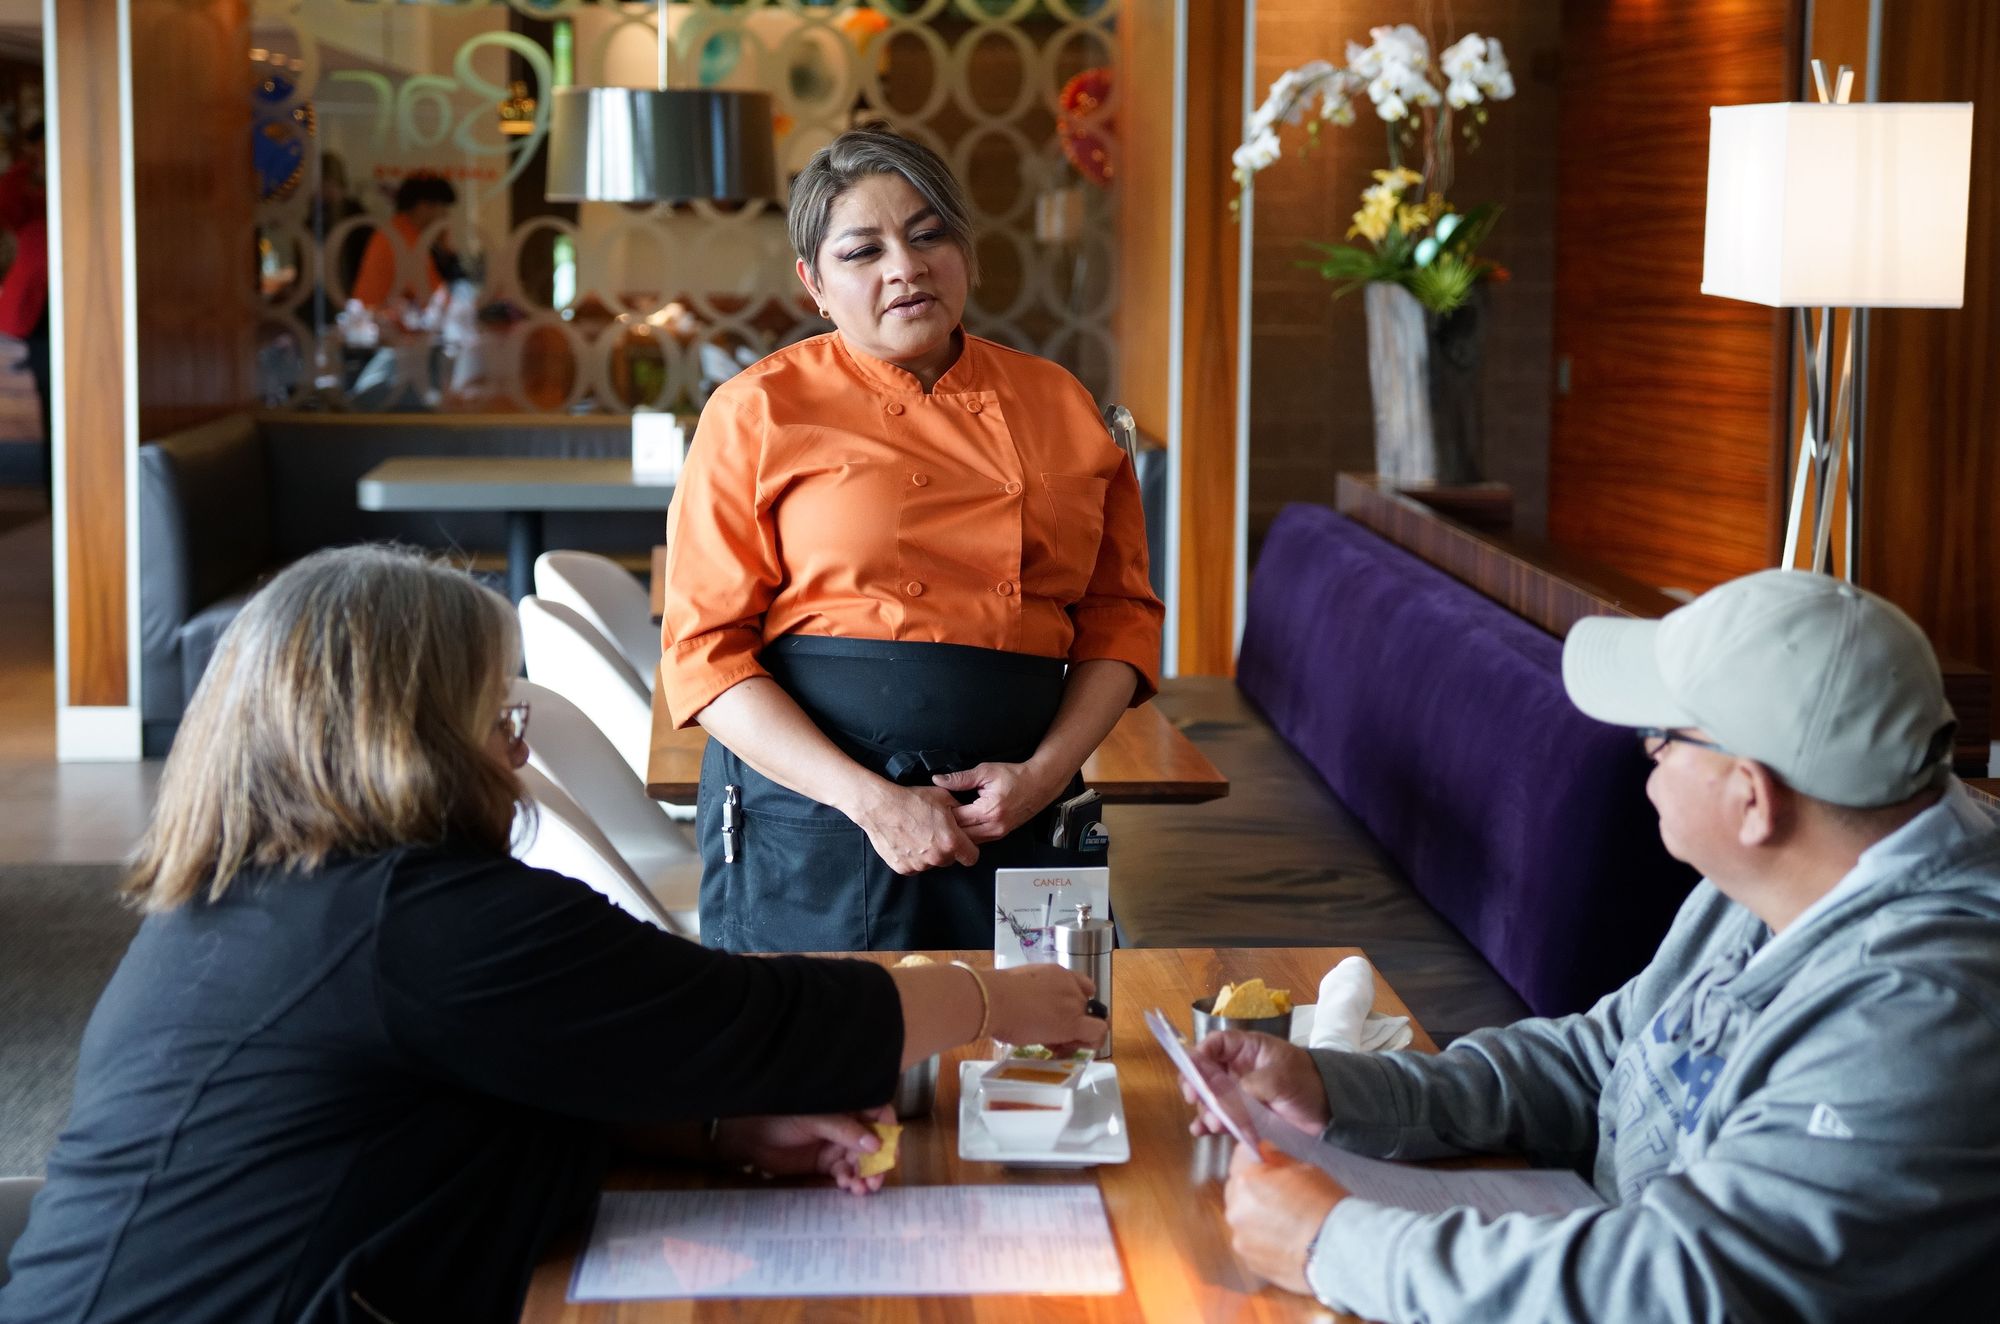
x=1854, y=206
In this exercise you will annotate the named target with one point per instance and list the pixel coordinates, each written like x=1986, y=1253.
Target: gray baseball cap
x=1830, y=687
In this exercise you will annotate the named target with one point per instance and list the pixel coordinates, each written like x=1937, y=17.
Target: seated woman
x=359, y=1064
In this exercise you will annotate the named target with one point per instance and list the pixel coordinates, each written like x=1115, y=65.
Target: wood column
x=1178, y=354
x=93, y=404
x=151, y=133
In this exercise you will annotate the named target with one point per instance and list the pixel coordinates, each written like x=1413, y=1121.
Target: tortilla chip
x=914, y=958
x=1250, y=1001
x=884, y=1158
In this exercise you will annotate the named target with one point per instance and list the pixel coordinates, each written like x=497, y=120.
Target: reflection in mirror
x=506, y=301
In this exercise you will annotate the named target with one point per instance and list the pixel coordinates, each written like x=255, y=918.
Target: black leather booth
x=225, y=504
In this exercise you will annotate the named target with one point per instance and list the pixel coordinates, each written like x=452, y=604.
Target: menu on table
x=903, y=1241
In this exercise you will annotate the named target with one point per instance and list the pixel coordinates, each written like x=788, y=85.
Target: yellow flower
x=1399, y=178
x=1378, y=209
x=1411, y=218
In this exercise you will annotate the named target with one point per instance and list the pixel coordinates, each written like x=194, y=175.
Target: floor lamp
x=636, y=144
x=1836, y=205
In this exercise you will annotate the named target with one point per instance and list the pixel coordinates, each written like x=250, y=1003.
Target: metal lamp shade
x=633, y=144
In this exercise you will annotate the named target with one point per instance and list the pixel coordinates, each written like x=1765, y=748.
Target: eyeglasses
x=513, y=722
x=1654, y=740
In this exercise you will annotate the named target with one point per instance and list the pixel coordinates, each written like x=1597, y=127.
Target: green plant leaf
x=1443, y=285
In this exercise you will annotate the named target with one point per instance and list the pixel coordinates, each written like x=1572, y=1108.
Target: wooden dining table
x=1164, y=1205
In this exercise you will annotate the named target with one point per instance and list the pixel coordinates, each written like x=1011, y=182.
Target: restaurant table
x=1165, y=1204
x=1145, y=760
x=522, y=488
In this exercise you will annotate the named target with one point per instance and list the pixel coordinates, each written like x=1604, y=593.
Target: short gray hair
x=875, y=149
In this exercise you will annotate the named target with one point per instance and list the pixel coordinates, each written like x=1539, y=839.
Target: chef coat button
x=921, y=480
x=895, y=406
x=914, y=589
x=1013, y=489
x=973, y=406
x=1005, y=588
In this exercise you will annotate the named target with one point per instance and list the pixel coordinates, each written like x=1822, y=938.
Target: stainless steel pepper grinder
x=1084, y=945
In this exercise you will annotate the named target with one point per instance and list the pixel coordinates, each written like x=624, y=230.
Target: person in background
x=359, y=1063
x=24, y=294
x=1790, y=1111
x=393, y=266
x=905, y=566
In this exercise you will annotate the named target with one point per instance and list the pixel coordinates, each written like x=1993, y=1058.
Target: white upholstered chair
x=605, y=594
x=565, y=746
x=569, y=655
x=566, y=840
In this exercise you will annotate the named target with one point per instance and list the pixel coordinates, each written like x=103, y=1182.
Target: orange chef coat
x=826, y=493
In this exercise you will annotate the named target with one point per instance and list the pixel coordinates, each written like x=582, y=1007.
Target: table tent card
x=1028, y=902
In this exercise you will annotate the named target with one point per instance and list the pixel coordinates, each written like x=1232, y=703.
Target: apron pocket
x=791, y=887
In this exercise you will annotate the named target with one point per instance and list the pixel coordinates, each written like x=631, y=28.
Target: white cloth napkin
x=1341, y=1019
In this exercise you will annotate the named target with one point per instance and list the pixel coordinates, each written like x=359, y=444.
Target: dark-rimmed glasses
x=513, y=722
x=1654, y=740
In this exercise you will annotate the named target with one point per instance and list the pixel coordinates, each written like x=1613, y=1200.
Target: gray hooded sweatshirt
x=1806, y=1133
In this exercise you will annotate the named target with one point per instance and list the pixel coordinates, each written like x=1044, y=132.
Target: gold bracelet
x=985, y=999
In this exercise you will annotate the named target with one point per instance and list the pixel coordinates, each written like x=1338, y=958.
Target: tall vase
x=1423, y=374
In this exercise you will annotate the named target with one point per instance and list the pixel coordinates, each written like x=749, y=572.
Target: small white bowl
x=1025, y=1118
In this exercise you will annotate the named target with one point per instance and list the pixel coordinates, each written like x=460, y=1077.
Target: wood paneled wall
x=1664, y=459
x=1931, y=474
x=1205, y=408
x=194, y=194
x=1310, y=414
x=92, y=435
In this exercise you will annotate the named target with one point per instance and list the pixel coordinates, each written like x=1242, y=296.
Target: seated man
x=1794, y=1110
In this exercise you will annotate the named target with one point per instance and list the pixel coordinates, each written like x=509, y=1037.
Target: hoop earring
x=825, y=316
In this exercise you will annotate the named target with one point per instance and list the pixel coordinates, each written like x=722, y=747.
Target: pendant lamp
x=634, y=144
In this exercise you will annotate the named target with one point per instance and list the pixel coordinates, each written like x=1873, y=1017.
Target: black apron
x=805, y=877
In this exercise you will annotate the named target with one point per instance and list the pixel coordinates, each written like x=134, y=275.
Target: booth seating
x=1436, y=721
x=224, y=505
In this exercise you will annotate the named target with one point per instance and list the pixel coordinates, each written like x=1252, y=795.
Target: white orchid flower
x=1464, y=59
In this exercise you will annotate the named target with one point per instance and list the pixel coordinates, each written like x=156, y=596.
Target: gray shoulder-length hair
x=875, y=149
x=347, y=710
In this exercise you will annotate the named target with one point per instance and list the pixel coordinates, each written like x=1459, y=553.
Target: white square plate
x=1095, y=1134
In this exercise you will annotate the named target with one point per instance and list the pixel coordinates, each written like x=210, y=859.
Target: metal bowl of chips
x=1273, y=1014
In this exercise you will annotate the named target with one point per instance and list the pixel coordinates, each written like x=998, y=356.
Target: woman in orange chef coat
x=896, y=549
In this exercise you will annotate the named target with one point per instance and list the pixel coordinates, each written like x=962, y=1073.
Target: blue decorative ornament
x=279, y=132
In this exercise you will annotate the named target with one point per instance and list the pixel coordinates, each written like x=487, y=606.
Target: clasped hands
x=914, y=828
